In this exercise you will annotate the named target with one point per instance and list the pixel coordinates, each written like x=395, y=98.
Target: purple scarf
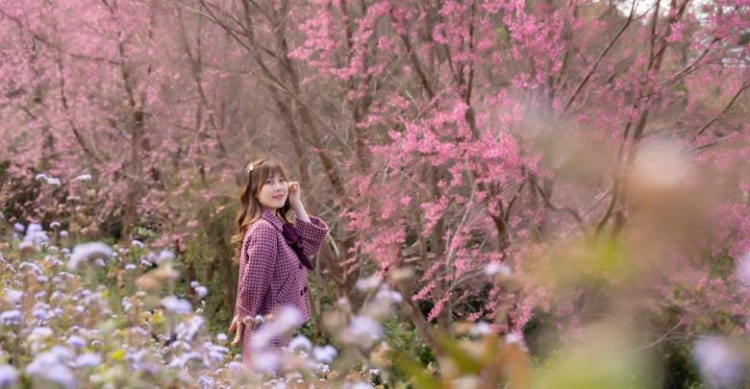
x=295, y=242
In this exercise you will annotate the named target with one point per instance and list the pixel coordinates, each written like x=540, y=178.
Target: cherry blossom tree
x=485, y=106
x=458, y=139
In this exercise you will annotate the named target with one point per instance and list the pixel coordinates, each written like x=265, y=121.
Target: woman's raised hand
x=295, y=194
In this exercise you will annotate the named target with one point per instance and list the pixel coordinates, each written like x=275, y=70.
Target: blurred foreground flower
x=598, y=360
x=176, y=305
x=51, y=367
x=8, y=376
x=88, y=252
x=282, y=322
x=661, y=165
x=324, y=354
x=495, y=268
x=362, y=331
x=743, y=269
x=719, y=361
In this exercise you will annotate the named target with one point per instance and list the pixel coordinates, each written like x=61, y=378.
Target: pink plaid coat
x=271, y=275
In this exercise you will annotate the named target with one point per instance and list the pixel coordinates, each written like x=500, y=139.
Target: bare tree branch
x=601, y=56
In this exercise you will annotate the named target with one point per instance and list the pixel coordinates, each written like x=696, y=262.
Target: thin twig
x=601, y=57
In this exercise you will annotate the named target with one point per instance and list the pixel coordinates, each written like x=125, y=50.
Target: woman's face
x=274, y=192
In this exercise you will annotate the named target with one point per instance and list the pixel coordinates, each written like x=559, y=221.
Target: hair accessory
x=252, y=165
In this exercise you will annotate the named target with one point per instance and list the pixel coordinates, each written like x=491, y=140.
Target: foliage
x=552, y=169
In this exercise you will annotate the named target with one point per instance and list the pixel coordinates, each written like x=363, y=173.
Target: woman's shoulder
x=261, y=227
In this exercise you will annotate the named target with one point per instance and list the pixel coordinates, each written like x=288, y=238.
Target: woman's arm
x=255, y=279
x=312, y=230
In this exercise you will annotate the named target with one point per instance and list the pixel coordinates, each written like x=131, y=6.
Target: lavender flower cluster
x=61, y=326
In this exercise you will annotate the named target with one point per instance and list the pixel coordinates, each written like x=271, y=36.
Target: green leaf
x=420, y=378
x=464, y=361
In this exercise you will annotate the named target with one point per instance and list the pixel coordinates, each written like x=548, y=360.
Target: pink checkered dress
x=271, y=275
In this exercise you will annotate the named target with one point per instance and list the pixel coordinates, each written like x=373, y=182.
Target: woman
x=274, y=254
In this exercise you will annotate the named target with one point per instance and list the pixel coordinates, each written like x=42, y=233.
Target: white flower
x=718, y=361
x=31, y=265
x=55, y=262
x=216, y=353
x=34, y=227
x=743, y=269
x=222, y=338
x=136, y=356
x=83, y=177
x=300, y=342
x=234, y=366
x=369, y=283
x=363, y=330
x=137, y=243
x=19, y=227
x=206, y=382
x=62, y=353
x=497, y=268
x=165, y=255
x=480, y=329
x=176, y=305
x=181, y=360
x=288, y=318
x=390, y=295
x=189, y=329
x=8, y=376
x=35, y=234
x=285, y=320
x=76, y=341
x=40, y=333
x=201, y=291
x=515, y=338
x=88, y=360
x=194, y=284
x=54, y=225
x=64, y=234
x=49, y=180
x=267, y=361
x=13, y=296
x=378, y=308
x=50, y=366
x=88, y=252
x=357, y=385
x=324, y=354
x=12, y=318
x=130, y=266
x=41, y=311
x=466, y=382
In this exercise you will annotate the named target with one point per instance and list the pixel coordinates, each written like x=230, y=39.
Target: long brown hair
x=256, y=173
